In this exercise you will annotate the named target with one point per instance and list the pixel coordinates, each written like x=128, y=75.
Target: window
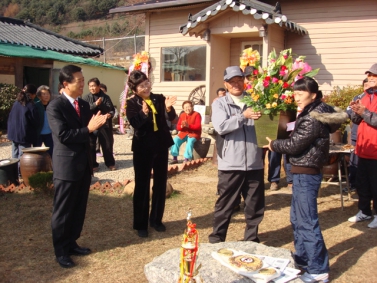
x=183, y=63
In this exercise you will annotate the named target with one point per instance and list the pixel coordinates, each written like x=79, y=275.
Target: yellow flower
x=268, y=105
x=280, y=82
x=276, y=95
x=255, y=97
x=274, y=104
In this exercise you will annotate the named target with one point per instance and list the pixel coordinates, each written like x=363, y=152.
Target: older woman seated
x=190, y=129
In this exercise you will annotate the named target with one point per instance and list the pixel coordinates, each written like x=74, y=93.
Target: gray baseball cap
x=231, y=72
x=372, y=69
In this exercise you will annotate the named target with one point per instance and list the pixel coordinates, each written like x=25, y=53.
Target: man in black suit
x=100, y=101
x=71, y=123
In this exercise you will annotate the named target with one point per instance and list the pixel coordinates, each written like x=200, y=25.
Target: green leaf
x=312, y=73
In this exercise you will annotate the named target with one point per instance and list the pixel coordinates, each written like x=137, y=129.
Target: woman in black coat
x=151, y=141
x=308, y=150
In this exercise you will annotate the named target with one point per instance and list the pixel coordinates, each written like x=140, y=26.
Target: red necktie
x=77, y=108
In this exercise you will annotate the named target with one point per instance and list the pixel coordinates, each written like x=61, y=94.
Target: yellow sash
x=154, y=112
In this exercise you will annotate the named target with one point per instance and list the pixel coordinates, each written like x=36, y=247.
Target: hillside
x=80, y=19
x=86, y=20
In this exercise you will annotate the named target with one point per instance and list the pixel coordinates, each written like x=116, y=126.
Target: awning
x=13, y=50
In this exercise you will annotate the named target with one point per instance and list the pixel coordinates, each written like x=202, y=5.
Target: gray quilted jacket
x=308, y=145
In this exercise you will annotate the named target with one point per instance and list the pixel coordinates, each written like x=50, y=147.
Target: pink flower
x=275, y=80
x=283, y=96
x=283, y=71
x=299, y=64
x=285, y=56
x=266, y=83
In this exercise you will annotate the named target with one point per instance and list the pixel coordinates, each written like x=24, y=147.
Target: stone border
x=117, y=186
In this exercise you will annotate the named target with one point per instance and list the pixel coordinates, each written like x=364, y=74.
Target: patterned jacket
x=308, y=145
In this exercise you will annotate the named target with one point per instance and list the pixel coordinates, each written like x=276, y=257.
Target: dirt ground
x=119, y=255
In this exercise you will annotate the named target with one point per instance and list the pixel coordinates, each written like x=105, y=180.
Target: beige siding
x=342, y=39
x=220, y=59
x=164, y=32
x=113, y=79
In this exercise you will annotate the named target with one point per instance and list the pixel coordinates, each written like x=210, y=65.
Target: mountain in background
x=80, y=19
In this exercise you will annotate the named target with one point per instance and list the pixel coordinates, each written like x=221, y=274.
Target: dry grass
x=26, y=253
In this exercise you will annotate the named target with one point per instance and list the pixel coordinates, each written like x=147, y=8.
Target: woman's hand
x=169, y=102
x=184, y=124
x=145, y=108
x=269, y=143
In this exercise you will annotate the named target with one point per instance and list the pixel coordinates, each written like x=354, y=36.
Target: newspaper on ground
x=259, y=268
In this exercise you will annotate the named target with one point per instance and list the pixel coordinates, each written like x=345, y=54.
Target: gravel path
x=123, y=161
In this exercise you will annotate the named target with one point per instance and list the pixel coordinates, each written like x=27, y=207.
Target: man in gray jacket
x=240, y=162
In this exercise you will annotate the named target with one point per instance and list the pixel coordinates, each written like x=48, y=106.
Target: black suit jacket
x=71, y=138
x=144, y=136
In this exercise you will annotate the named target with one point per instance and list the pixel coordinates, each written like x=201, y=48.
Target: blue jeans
x=189, y=146
x=309, y=244
x=274, y=166
x=352, y=168
x=17, y=151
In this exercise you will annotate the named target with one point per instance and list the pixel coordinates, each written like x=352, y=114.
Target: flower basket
x=273, y=126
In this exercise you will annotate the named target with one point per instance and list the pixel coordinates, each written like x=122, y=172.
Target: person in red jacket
x=364, y=114
x=190, y=128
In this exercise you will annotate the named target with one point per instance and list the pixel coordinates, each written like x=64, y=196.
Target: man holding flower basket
x=240, y=165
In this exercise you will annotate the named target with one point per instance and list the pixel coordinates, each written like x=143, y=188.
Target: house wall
x=228, y=31
x=12, y=68
x=113, y=79
x=342, y=39
x=164, y=32
x=219, y=60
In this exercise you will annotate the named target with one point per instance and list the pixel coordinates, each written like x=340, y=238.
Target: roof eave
x=143, y=7
x=221, y=6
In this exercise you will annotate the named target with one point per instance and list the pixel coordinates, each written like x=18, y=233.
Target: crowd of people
x=70, y=126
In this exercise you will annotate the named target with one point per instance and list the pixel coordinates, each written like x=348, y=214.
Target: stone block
x=165, y=268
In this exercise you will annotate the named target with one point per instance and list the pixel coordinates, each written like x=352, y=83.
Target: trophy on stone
x=188, y=255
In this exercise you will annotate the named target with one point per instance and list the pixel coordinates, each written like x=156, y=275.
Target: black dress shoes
x=142, y=233
x=79, y=251
x=65, y=261
x=158, y=227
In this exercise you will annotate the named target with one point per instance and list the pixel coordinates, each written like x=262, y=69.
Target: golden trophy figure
x=189, y=249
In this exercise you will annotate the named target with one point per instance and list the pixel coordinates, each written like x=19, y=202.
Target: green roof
x=13, y=50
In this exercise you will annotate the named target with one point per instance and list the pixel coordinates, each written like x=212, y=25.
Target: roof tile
x=23, y=33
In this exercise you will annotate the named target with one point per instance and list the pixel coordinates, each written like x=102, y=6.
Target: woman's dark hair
x=103, y=86
x=23, y=98
x=364, y=81
x=308, y=84
x=30, y=89
x=135, y=78
x=187, y=101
